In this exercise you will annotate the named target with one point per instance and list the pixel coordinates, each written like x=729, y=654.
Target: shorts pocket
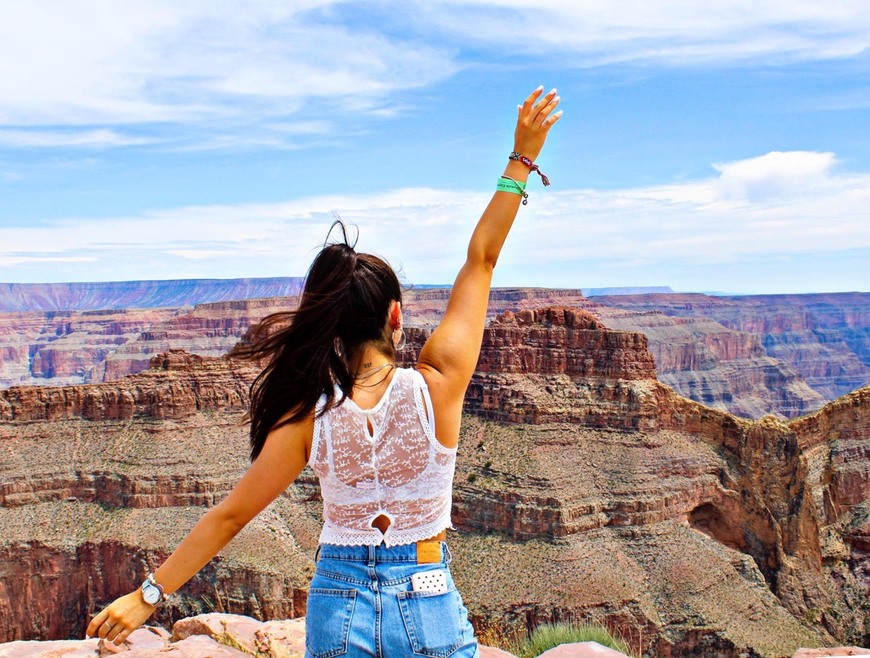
x=435, y=622
x=327, y=621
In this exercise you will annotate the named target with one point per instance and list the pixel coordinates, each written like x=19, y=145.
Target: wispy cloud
x=157, y=62
x=251, y=70
x=752, y=212
x=99, y=138
x=670, y=32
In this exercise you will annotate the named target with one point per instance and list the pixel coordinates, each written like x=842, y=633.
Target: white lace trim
x=393, y=537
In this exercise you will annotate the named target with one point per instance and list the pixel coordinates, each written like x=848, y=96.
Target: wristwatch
x=152, y=591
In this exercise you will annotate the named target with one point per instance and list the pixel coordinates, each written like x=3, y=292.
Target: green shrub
x=552, y=635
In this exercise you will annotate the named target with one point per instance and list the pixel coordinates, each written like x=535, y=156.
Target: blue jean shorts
x=361, y=603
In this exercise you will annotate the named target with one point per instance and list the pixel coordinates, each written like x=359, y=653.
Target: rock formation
x=787, y=359
x=139, y=294
x=824, y=339
x=585, y=489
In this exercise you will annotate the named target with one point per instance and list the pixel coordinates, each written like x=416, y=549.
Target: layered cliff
x=823, y=338
x=585, y=489
x=139, y=294
x=757, y=360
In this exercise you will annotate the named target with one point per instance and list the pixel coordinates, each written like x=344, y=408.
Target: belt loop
x=317, y=553
x=372, y=552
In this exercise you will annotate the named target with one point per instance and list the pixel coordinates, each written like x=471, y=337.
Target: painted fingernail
x=553, y=90
x=541, y=88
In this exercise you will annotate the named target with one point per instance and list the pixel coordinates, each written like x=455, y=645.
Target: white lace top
x=383, y=461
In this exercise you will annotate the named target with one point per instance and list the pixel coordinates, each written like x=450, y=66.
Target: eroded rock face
x=750, y=356
x=823, y=339
x=178, y=384
x=583, y=491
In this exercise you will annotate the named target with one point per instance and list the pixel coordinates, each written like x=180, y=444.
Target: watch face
x=150, y=593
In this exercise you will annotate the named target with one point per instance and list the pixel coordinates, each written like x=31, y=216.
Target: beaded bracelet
x=531, y=165
x=508, y=184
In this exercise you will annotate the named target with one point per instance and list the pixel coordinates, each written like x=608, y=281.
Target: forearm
x=496, y=221
x=213, y=531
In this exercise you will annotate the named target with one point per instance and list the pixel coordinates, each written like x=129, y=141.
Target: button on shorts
x=360, y=603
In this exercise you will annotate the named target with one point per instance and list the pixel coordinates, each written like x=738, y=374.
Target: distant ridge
x=139, y=294
x=635, y=290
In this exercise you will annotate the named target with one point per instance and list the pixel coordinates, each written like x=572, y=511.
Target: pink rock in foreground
x=835, y=651
x=53, y=648
x=195, y=646
x=582, y=650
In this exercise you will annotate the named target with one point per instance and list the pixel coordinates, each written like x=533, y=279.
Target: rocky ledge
x=218, y=635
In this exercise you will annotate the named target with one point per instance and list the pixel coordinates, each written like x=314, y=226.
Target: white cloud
x=100, y=138
x=681, y=32
x=10, y=176
x=776, y=174
x=259, y=66
x=144, y=61
x=13, y=261
x=691, y=227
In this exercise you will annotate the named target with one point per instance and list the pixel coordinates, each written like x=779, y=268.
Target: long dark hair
x=345, y=303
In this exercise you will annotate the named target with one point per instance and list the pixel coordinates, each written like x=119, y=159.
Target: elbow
x=228, y=520
x=484, y=259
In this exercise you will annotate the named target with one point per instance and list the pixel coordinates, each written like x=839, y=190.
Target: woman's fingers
x=94, y=627
x=530, y=99
x=553, y=118
x=547, y=104
x=122, y=636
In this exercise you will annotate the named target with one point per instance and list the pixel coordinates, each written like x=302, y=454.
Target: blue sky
x=705, y=145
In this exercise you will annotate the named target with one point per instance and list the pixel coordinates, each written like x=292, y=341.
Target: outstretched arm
x=282, y=459
x=450, y=355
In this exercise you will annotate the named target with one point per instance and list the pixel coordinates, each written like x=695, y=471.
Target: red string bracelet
x=531, y=165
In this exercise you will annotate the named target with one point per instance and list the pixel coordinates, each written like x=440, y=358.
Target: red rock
x=51, y=649
x=142, y=639
x=195, y=646
x=836, y=651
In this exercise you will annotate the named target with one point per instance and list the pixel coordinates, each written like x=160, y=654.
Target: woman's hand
x=123, y=616
x=535, y=119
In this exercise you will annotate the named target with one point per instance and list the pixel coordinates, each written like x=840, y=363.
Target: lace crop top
x=383, y=461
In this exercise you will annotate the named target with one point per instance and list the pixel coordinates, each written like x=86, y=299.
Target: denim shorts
x=361, y=604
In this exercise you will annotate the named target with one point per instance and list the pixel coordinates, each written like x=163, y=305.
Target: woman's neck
x=369, y=359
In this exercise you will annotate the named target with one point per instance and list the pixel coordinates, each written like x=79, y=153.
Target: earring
x=402, y=340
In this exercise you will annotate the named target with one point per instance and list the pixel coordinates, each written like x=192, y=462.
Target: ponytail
x=314, y=350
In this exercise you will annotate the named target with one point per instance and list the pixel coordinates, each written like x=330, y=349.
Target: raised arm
x=448, y=359
x=282, y=459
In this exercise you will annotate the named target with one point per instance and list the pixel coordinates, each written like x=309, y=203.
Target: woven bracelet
x=531, y=165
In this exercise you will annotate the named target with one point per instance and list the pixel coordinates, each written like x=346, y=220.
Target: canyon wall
x=786, y=360
x=824, y=339
x=585, y=489
x=139, y=294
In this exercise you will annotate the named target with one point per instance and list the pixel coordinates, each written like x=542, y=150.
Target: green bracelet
x=508, y=184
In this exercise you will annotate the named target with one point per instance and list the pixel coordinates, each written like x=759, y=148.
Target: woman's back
x=383, y=461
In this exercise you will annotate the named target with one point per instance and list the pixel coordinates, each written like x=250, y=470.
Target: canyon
x=586, y=489
x=781, y=355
